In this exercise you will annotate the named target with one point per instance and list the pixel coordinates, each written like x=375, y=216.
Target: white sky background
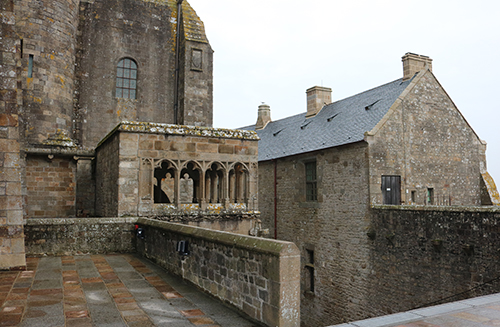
x=273, y=50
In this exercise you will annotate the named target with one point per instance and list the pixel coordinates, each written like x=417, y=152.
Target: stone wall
x=421, y=255
x=144, y=31
x=50, y=186
x=258, y=276
x=332, y=229
x=425, y=139
x=11, y=165
x=85, y=186
x=11, y=200
x=196, y=96
x=107, y=174
x=71, y=236
x=48, y=30
x=110, y=31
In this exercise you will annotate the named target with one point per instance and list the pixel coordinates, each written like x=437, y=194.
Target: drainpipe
x=177, y=59
x=275, y=201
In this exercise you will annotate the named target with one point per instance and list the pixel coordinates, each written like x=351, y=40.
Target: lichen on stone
x=60, y=138
x=159, y=128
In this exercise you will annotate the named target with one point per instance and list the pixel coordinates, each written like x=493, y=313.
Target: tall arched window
x=126, y=79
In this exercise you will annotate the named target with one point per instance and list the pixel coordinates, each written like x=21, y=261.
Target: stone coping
x=257, y=244
x=80, y=221
x=171, y=129
x=493, y=209
x=60, y=150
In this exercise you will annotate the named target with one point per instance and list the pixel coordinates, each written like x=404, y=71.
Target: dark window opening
x=309, y=273
x=311, y=182
x=30, y=66
x=430, y=196
x=391, y=190
x=164, y=183
x=126, y=79
x=413, y=197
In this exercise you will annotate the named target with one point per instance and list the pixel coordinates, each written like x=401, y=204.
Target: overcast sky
x=273, y=50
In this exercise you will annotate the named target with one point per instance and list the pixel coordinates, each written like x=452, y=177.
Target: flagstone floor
x=106, y=290
x=480, y=311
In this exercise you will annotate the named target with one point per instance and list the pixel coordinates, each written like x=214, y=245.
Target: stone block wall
x=331, y=230
x=144, y=31
x=107, y=172
x=85, y=186
x=11, y=165
x=48, y=30
x=50, y=186
x=11, y=199
x=196, y=96
x=258, y=276
x=72, y=236
x=429, y=255
x=425, y=139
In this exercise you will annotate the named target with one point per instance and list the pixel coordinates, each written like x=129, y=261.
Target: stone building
x=72, y=73
x=320, y=172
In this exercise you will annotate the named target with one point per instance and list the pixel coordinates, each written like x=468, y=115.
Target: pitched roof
x=338, y=123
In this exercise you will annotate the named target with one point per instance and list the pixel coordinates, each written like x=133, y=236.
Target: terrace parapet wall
x=428, y=255
x=160, y=169
x=260, y=277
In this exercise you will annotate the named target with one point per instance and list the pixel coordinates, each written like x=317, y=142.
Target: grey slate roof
x=338, y=123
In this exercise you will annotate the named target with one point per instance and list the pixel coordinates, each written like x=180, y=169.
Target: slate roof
x=338, y=123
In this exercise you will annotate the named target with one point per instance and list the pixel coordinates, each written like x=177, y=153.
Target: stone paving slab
x=476, y=312
x=108, y=291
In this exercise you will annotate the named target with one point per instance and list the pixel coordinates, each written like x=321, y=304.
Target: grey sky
x=273, y=50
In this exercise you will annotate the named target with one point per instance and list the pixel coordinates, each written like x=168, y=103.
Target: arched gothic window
x=126, y=79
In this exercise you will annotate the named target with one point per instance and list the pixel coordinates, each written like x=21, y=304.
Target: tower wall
x=112, y=30
x=48, y=31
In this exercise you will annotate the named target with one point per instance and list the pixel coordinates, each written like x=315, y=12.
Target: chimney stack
x=317, y=97
x=413, y=63
x=264, y=116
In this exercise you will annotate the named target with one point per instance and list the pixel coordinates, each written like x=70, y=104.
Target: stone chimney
x=317, y=97
x=413, y=63
x=264, y=116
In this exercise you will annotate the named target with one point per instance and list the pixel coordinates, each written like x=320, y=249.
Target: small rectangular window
x=413, y=197
x=430, y=196
x=311, y=182
x=30, y=66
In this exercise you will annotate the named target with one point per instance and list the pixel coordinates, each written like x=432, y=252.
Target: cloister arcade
x=214, y=183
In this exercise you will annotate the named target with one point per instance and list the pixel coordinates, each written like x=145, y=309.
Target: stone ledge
x=273, y=247
x=170, y=129
x=82, y=221
x=494, y=209
x=66, y=151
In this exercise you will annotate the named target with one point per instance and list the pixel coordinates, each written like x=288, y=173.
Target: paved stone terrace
x=106, y=290
x=476, y=312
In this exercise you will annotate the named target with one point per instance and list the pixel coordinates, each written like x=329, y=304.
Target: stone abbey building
x=106, y=110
